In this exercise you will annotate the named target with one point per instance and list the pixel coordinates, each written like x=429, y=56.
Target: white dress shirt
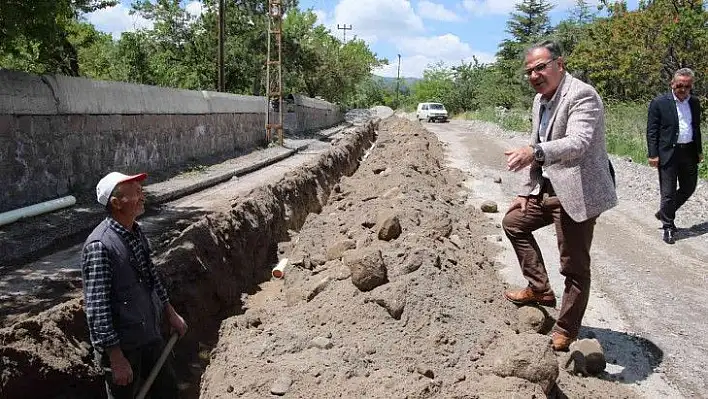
x=685, y=119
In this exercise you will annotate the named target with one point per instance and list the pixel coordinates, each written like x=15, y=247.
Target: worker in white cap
x=124, y=298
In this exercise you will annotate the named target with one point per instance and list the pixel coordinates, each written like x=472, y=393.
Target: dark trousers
x=682, y=168
x=142, y=361
x=574, y=241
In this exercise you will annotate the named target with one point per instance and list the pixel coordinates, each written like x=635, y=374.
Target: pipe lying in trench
x=36, y=209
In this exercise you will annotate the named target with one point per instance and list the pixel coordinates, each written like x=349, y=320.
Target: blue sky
x=423, y=32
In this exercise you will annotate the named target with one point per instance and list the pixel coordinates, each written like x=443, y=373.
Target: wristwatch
x=538, y=155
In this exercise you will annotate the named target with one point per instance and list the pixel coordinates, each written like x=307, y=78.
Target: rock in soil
x=586, y=357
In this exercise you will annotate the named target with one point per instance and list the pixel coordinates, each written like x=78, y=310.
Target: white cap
x=105, y=187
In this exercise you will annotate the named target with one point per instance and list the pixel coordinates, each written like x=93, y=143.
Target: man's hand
x=519, y=202
x=519, y=158
x=176, y=321
x=654, y=162
x=120, y=367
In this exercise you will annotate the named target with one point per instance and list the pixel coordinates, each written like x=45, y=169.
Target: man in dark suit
x=674, y=146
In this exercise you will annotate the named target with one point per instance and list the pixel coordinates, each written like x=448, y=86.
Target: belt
x=684, y=145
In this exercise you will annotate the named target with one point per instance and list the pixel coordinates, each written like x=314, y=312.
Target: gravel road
x=646, y=305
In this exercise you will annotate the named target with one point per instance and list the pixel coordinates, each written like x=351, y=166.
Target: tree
x=34, y=34
x=631, y=55
x=319, y=64
x=529, y=24
x=569, y=32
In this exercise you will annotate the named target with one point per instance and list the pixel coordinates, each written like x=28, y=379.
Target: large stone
x=368, y=268
x=317, y=288
x=489, y=207
x=390, y=228
x=532, y=319
x=415, y=259
x=281, y=386
x=337, y=250
x=528, y=356
x=321, y=343
x=586, y=357
x=391, y=297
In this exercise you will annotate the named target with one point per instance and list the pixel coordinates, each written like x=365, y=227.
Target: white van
x=431, y=112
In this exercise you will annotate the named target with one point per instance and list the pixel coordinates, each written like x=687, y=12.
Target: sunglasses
x=681, y=86
x=538, y=68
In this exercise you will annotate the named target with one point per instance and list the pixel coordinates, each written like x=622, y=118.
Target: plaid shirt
x=97, y=273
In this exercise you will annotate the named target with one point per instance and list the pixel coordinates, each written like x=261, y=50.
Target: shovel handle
x=156, y=368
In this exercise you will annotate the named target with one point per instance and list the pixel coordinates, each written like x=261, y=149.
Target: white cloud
x=420, y=52
x=321, y=17
x=438, y=12
x=374, y=20
x=445, y=46
x=116, y=20
x=484, y=7
x=504, y=7
x=194, y=8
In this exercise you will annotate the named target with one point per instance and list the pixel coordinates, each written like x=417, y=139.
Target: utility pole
x=398, y=81
x=220, y=61
x=274, y=79
x=345, y=29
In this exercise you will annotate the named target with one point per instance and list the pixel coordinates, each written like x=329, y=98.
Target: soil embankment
x=207, y=268
x=392, y=291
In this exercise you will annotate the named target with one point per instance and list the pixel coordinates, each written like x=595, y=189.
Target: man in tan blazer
x=568, y=183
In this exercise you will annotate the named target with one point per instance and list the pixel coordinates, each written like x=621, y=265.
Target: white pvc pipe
x=279, y=270
x=36, y=209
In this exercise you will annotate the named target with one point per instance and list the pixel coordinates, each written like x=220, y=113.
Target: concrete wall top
x=26, y=94
x=220, y=103
x=22, y=93
x=312, y=102
x=87, y=96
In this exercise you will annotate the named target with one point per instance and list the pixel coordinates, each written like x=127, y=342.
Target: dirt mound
x=48, y=356
x=424, y=318
x=367, y=309
x=206, y=268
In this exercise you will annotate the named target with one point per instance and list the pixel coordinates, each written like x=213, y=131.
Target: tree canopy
x=180, y=50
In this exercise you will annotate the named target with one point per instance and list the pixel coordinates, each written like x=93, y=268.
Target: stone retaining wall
x=59, y=135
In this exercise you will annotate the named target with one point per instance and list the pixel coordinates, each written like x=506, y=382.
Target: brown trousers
x=574, y=241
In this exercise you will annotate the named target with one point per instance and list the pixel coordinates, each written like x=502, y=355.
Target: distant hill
x=391, y=82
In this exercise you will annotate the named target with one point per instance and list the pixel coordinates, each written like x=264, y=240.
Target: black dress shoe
x=669, y=236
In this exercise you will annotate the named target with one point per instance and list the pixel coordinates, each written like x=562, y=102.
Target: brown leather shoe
x=526, y=296
x=561, y=342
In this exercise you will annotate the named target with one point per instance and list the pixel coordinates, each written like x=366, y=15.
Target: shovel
x=156, y=368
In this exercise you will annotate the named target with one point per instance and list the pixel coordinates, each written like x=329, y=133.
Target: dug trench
x=390, y=291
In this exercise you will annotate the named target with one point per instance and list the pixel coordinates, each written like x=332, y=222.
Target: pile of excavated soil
x=390, y=292
x=207, y=268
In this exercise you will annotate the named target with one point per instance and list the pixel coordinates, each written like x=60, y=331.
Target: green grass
x=626, y=129
x=626, y=133
x=514, y=119
x=626, y=125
